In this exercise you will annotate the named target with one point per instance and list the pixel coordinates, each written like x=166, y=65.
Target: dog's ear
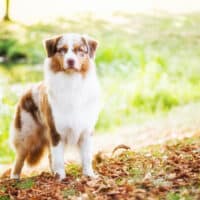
x=92, y=45
x=50, y=45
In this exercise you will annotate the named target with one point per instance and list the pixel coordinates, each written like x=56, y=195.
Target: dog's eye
x=82, y=49
x=62, y=50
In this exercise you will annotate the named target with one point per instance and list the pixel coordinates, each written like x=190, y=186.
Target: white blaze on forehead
x=69, y=40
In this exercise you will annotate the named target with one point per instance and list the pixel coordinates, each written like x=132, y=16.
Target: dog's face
x=70, y=53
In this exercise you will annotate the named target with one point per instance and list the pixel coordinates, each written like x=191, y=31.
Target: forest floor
x=169, y=171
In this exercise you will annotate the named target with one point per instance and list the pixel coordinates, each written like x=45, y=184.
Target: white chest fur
x=74, y=100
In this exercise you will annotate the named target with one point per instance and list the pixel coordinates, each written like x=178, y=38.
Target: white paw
x=60, y=173
x=14, y=176
x=90, y=173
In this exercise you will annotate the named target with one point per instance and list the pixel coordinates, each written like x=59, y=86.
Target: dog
x=63, y=109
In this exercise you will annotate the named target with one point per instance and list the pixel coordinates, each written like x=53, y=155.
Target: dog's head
x=70, y=53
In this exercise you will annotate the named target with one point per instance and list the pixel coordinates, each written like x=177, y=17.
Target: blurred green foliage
x=146, y=64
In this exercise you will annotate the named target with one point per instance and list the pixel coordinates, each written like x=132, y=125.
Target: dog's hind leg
x=50, y=159
x=19, y=162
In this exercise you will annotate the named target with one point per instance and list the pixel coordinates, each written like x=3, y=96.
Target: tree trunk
x=7, y=12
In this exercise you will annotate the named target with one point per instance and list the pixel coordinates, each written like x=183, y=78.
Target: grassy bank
x=146, y=65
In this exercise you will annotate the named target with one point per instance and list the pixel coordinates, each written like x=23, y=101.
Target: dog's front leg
x=86, y=151
x=56, y=154
x=57, y=160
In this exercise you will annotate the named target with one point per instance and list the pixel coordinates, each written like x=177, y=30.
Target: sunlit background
x=45, y=10
x=148, y=61
x=32, y=11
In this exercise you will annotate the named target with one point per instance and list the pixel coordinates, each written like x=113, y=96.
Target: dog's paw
x=14, y=176
x=60, y=175
x=90, y=173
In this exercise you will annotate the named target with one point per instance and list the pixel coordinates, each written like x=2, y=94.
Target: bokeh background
x=148, y=59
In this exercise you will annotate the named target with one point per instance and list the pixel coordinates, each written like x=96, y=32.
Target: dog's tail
x=36, y=153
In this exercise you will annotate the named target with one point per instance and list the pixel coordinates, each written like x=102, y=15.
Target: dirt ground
x=183, y=121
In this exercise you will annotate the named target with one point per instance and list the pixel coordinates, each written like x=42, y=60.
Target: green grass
x=6, y=197
x=173, y=196
x=69, y=192
x=73, y=169
x=147, y=65
x=25, y=184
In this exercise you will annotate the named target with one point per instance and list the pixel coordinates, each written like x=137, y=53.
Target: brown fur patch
x=50, y=45
x=57, y=63
x=48, y=118
x=38, y=147
x=63, y=49
x=17, y=119
x=27, y=103
x=92, y=47
x=85, y=66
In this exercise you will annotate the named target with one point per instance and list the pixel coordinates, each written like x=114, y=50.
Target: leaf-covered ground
x=170, y=171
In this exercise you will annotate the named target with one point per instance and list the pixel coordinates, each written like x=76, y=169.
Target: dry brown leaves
x=124, y=175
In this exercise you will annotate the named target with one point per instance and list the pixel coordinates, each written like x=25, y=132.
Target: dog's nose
x=70, y=62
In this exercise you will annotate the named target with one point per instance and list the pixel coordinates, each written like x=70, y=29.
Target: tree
x=7, y=12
